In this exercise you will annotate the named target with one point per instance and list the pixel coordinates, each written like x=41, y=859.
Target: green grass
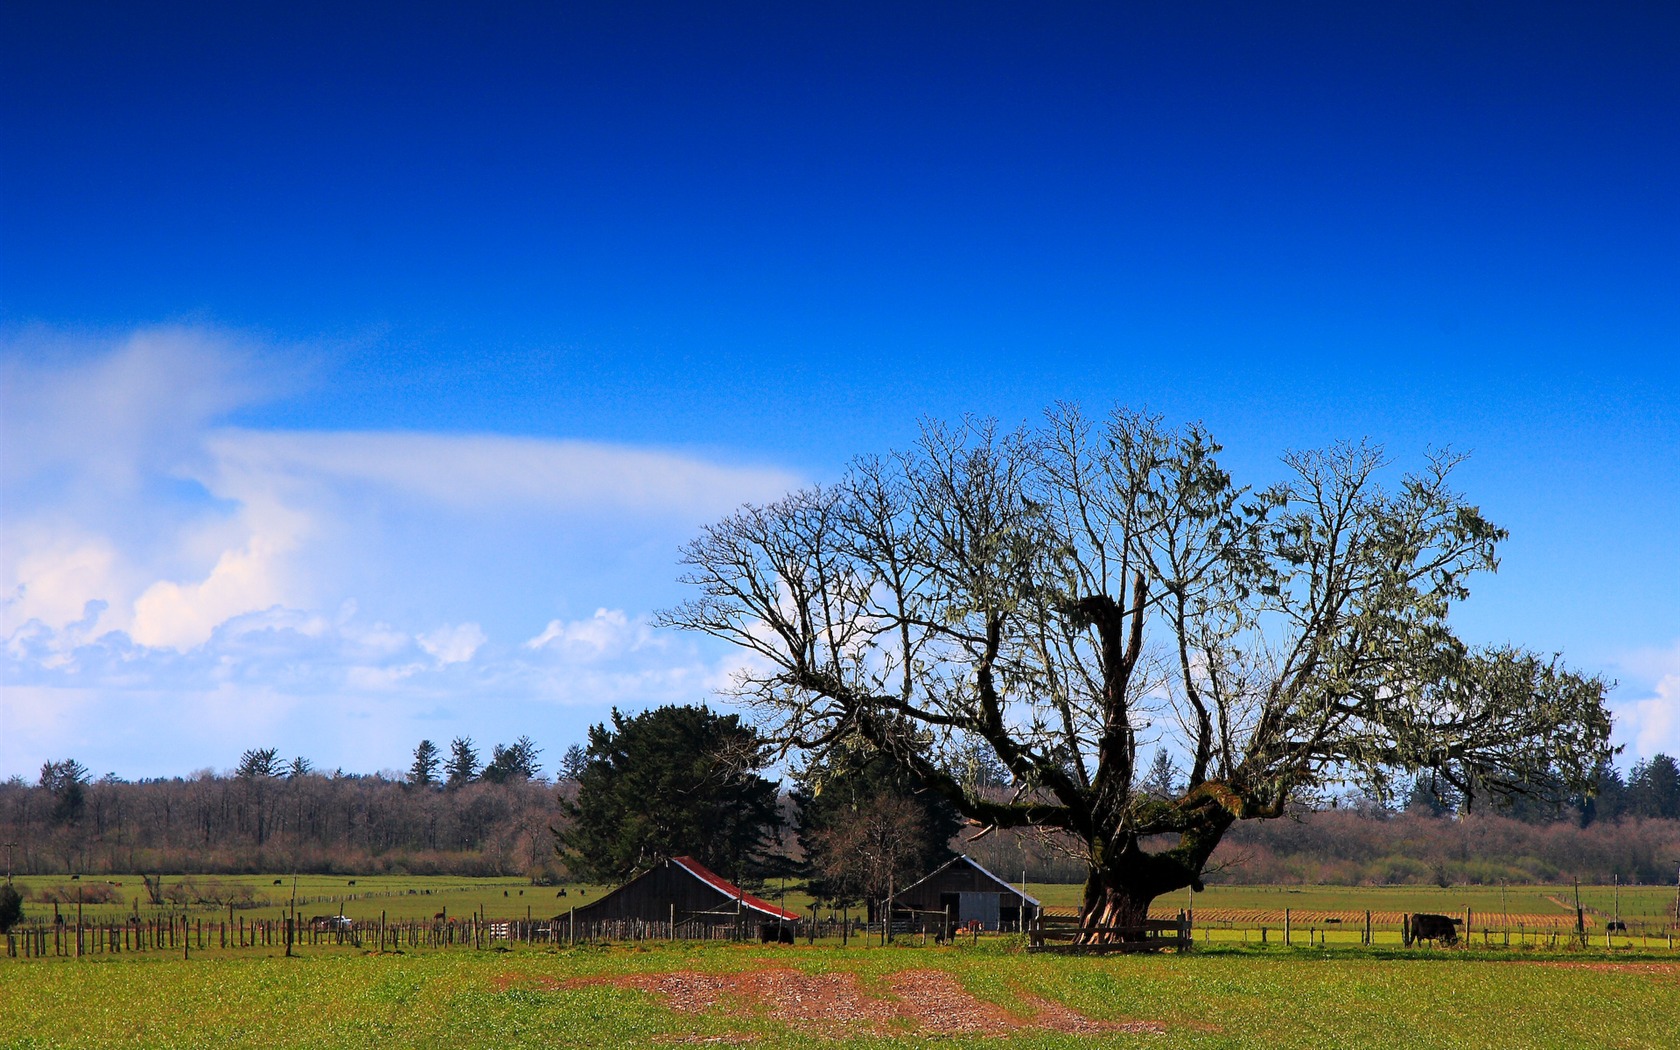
x=362, y=897
x=403, y=897
x=1650, y=903
x=464, y=999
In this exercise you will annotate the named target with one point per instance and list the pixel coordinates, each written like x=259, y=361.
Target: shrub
x=11, y=907
x=85, y=892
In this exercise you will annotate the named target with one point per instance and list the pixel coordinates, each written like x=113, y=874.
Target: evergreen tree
x=1432, y=796
x=1161, y=779
x=423, y=772
x=518, y=761
x=1654, y=788
x=669, y=782
x=463, y=762
x=572, y=763
x=1607, y=799
x=67, y=781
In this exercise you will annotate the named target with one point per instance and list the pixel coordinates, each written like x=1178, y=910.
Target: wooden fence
x=1056, y=934
x=179, y=933
x=166, y=932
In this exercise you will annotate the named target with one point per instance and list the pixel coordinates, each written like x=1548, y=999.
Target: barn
x=966, y=893
x=687, y=891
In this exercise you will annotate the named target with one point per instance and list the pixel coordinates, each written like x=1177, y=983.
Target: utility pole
x=291, y=923
x=10, y=846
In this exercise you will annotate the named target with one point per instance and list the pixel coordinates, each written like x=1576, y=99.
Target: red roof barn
x=686, y=888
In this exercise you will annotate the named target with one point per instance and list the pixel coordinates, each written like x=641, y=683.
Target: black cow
x=775, y=933
x=1426, y=927
x=1615, y=926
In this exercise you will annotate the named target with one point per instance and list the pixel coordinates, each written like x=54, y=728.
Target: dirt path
x=837, y=1005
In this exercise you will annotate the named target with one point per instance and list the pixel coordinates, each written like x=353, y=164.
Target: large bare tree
x=1077, y=594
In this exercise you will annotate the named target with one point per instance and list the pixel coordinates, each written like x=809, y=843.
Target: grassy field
x=400, y=897
x=1636, y=903
x=403, y=897
x=985, y=995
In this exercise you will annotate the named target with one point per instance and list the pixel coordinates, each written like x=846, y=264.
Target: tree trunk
x=1113, y=908
x=1123, y=880
x=1109, y=905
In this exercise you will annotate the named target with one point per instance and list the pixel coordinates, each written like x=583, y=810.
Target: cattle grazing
x=277, y=882
x=1423, y=926
x=775, y=933
x=1615, y=926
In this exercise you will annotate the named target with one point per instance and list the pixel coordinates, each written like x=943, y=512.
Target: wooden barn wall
x=959, y=878
x=650, y=898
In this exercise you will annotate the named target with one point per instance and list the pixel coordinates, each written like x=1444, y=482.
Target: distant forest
x=266, y=816
x=447, y=815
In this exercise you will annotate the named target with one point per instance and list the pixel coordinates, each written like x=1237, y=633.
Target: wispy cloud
x=154, y=551
x=1647, y=709
x=482, y=473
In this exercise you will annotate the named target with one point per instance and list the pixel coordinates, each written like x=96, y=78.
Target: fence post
x=1286, y=924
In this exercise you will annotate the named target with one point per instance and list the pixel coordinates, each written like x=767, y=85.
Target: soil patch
x=1651, y=969
x=836, y=1004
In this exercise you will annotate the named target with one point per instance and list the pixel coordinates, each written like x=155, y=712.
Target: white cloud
x=609, y=633
x=51, y=576
x=1649, y=720
x=453, y=645
x=243, y=580
x=163, y=574
x=480, y=472
x=114, y=412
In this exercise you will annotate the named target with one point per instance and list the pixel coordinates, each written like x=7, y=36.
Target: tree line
x=683, y=780
x=273, y=814
x=852, y=822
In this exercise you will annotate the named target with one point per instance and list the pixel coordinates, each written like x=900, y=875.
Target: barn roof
x=708, y=878
x=732, y=891
x=963, y=858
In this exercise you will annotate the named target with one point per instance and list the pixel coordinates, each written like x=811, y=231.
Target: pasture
x=408, y=897
x=1518, y=915
x=985, y=995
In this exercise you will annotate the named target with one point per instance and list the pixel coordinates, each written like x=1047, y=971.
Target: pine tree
x=426, y=761
x=463, y=762
x=670, y=782
x=517, y=761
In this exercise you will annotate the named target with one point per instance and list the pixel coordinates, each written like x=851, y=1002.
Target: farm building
x=966, y=893
x=686, y=890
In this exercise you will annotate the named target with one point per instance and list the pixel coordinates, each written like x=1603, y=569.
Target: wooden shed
x=684, y=889
x=966, y=893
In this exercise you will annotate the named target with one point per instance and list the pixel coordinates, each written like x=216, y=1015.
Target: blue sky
x=368, y=366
